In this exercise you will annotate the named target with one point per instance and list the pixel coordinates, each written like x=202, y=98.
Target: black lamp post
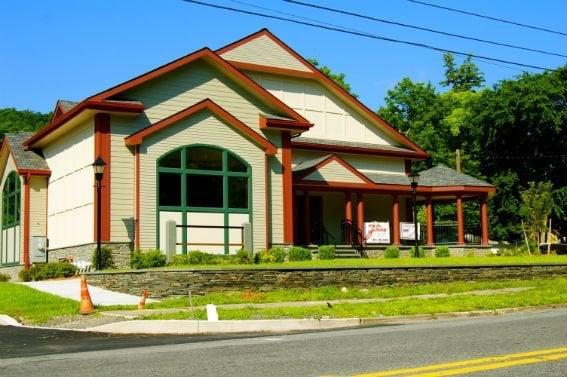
x=98, y=167
x=414, y=181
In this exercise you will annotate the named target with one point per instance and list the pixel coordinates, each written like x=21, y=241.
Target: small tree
x=537, y=203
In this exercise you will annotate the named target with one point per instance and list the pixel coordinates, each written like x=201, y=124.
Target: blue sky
x=72, y=49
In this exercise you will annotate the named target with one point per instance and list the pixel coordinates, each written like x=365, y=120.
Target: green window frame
x=11, y=197
x=226, y=167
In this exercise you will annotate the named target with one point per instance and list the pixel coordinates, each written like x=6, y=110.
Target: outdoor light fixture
x=414, y=176
x=98, y=167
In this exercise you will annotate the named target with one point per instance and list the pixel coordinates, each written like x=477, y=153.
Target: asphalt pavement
x=46, y=353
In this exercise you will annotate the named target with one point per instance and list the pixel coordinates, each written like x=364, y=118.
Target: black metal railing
x=445, y=233
x=353, y=236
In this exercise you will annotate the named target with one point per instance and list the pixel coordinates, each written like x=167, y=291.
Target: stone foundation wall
x=163, y=283
x=12, y=271
x=455, y=251
x=121, y=253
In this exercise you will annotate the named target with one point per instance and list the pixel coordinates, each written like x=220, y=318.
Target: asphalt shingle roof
x=442, y=175
x=309, y=163
x=25, y=159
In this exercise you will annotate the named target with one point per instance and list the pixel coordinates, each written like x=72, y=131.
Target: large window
x=201, y=179
x=11, y=196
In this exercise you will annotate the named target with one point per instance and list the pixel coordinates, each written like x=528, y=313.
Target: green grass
x=31, y=306
x=333, y=293
x=382, y=262
x=546, y=292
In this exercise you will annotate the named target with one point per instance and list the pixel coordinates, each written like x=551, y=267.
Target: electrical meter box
x=38, y=249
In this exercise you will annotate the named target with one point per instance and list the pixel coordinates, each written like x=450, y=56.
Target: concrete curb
x=198, y=327
x=6, y=320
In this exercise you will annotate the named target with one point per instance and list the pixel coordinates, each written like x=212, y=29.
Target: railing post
x=170, y=240
x=247, y=238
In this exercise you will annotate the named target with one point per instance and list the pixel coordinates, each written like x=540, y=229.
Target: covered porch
x=335, y=203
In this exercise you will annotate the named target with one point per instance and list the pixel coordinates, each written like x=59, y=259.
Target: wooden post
x=526, y=238
x=348, y=213
x=360, y=211
x=395, y=219
x=483, y=222
x=429, y=209
x=549, y=237
x=460, y=222
x=307, y=217
x=458, y=160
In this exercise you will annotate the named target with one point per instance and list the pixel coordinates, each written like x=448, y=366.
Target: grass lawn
x=33, y=307
x=545, y=292
x=382, y=262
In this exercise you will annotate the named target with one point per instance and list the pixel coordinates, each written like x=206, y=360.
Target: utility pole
x=458, y=160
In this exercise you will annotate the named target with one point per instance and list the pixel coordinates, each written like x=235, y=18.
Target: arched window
x=203, y=179
x=11, y=197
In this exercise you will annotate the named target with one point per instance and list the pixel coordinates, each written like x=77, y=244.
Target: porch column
x=348, y=213
x=307, y=218
x=395, y=219
x=288, y=207
x=360, y=211
x=429, y=209
x=460, y=222
x=484, y=221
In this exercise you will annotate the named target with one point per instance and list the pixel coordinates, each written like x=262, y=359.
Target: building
x=249, y=133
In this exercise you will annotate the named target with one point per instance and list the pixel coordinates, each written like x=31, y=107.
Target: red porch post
x=348, y=213
x=360, y=211
x=429, y=208
x=288, y=208
x=484, y=221
x=395, y=219
x=307, y=217
x=460, y=222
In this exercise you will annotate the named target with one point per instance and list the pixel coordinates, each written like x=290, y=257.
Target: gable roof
x=207, y=104
x=27, y=161
x=321, y=78
x=301, y=171
x=211, y=57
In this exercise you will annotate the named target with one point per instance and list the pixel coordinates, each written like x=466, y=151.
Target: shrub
x=148, y=259
x=391, y=252
x=327, y=252
x=243, y=257
x=200, y=257
x=4, y=277
x=296, y=253
x=106, y=258
x=48, y=271
x=180, y=260
x=274, y=255
x=420, y=252
x=442, y=252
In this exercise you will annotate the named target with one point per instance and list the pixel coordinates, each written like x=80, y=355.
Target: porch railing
x=353, y=236
x=445, y=233
x=224, y=244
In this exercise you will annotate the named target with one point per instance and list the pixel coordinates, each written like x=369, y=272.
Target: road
x=47, y=353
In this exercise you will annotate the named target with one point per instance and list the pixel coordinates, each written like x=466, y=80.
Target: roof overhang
x=6, y=152
x=267, y=123
x=370, y=151
x=207, y=104
x=79, y=114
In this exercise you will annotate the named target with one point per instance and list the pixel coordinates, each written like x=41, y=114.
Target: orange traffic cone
x=87, y=306
x=142, y=303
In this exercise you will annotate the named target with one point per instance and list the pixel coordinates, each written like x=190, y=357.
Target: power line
x=367, y=35
x=390, y=22
x=488, y=17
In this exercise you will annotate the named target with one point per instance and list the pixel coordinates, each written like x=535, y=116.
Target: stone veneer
x=121, y=253
x=12, y=271
x=163, y=283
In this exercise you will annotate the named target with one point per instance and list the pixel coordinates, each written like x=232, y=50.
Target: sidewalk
x=71, y=288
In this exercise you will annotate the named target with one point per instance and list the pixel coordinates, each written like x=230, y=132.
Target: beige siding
x=202, y=128
x=162, y=98
x=10, y=166
x=333, y=172
x=276, y=199
x=264, y=51
x=71, y=193
x=38, y=206
x=333, y=118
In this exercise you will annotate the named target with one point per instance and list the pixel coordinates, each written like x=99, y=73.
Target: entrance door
x=315, y=220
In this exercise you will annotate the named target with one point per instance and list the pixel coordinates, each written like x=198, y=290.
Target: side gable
x=331, y=168
x=314, y=74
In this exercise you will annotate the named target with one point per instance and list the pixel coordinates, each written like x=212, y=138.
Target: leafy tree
x=12, y=120
x=339, y=78
x=466, y=77
x=537, y=203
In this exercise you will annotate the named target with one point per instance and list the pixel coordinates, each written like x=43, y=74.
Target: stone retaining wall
x=163, y=283
x=121, y=253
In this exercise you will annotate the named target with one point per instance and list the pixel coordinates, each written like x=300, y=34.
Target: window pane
x=238, y=192
x=18, y=208
x=204, y=191
x=169, y=189
x=235, y=165
x=172, y=160
x=204, y=158
x=11, y=183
